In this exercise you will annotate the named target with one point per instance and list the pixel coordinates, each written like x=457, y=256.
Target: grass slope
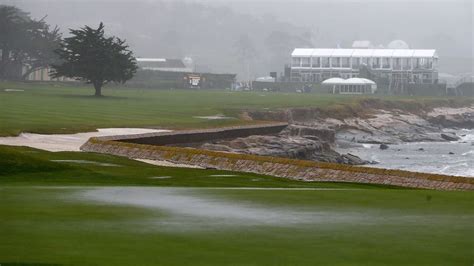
x=52, y=108
x=45, y=225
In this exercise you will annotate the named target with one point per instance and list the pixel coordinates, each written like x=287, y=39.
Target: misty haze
x=236, y=132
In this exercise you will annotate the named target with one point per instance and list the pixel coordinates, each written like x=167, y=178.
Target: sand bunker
x=68, y=142
x=72, y=142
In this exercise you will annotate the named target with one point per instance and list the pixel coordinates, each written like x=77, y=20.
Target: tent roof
x=351, y=81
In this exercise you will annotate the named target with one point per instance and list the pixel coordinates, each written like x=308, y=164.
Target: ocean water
x=428, y=157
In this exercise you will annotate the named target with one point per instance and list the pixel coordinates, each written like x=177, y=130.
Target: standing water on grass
x=448, y=158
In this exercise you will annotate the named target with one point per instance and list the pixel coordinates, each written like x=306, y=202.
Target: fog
x=229, y=36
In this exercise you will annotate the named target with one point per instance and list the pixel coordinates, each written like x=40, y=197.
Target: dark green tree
x=90, y=56
x=25, y=42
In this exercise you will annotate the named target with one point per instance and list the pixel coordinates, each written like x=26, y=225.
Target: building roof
x=151, y=59
x=424, y=53
x=359, y=81
x=337, y=52
x=342, y=52
x=160, y=63
x=301, y=52
x=403, y=53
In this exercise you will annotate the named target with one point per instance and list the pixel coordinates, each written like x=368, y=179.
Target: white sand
x=68, y=142
x=72, y=142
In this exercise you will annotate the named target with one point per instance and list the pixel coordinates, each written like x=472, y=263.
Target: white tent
x=351, y=86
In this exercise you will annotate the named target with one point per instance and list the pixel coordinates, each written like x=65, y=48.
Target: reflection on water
x=195, y=208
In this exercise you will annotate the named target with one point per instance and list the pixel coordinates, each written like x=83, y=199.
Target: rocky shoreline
x=314, y=136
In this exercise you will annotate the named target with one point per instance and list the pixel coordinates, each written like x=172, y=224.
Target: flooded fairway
x=206, y=208
x=248, y=225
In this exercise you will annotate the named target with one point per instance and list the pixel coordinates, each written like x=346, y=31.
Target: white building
x=397, y=65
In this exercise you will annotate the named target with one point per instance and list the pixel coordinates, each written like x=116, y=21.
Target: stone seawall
x=199, y=136
x=287, y=168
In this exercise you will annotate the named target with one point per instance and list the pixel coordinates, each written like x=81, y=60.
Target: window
x=296, y=62
x=316, y=62
x=306, y=77
x=355, y=62
x=325, y=62
x=417, y=63
x=335, y=62
x=305, y=62
x=429, y=63
x=375, y=62
x=386, y=62
x=365, y=61
x=426, y=77
x=316, y=77
x=345, y=62
x=406, y=63
x=397, y=63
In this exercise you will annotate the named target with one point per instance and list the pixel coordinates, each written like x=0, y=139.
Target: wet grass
x=43, y=223
x=45, y=108
x=27, y=166
x=63, y=108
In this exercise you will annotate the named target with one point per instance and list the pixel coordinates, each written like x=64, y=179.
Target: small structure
x=350, y=86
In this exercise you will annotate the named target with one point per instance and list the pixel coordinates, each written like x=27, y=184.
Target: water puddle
x=194, y=209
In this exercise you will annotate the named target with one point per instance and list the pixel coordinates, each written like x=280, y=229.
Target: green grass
x=42, y=222
x=52, y=108
x=22, y=166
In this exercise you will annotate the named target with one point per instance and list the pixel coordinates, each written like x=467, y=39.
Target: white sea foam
x=450, y=158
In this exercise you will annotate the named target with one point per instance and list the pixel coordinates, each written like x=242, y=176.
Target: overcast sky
x=445, y=25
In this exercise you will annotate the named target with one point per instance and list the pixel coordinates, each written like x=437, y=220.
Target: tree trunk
x=4, y=62
x=98, y=88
